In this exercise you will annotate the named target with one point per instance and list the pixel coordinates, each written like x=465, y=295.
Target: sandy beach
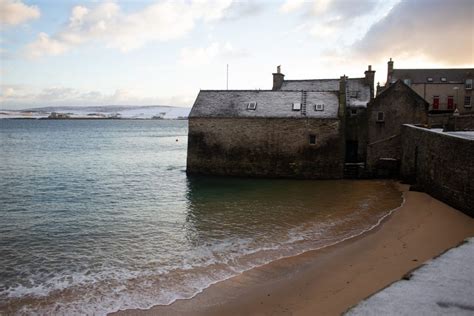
x=331, y=280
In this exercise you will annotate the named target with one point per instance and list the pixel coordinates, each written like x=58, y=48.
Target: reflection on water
x=99, y=215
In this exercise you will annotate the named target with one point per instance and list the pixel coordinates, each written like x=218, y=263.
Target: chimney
x=389, y=72
x=342, y=95
x=278, y=79
x=369, y=79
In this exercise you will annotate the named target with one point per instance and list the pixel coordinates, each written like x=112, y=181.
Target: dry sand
x=330, y=280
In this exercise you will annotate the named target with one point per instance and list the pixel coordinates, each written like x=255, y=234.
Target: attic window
x=296, y=107
x=429, y=79
x=319, y=107
x=443, y=79
x=354, y=94
x=252, y=106
x=380, y=117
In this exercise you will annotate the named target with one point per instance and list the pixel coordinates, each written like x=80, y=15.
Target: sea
x=99, y=215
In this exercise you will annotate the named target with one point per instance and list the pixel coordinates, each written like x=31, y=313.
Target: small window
x=312, y=139
x=429, y=79
x=468, y=85
x=443, y=79
x=353, y=112
x=252, y=106
x=467, y=101
x=354, y=94
x=319, y=107
x=296, y=106
x=407, y=82
x=380, y=117
x=450, y=102
x=435, y=102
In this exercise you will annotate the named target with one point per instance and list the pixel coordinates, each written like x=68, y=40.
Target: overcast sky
x=75, y=52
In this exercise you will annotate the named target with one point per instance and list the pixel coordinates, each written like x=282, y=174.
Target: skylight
x=252, y=106
x=296, y=106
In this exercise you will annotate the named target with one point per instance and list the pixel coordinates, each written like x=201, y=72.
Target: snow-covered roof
x=358, y=91
x=269, y=104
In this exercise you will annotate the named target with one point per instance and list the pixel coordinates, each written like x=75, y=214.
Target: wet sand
x=331, y=280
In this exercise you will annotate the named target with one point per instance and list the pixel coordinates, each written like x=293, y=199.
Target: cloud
x=326, y=18
x=13, y=12
x=205, y=55
x=107, y=24
x=438, y=29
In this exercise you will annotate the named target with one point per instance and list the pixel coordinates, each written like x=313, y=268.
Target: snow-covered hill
x=120, y=111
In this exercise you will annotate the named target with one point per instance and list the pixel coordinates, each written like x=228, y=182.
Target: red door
x=450, y=102
x=435, y=103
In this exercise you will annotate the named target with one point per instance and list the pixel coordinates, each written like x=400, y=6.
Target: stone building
x=299, y=129
x=444, y=89
x=265, y=133
x=395, y=106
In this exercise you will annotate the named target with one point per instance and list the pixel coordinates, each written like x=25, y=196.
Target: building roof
x=270, y=104
x=394, y=87
x=422, y=75
x=358, y=91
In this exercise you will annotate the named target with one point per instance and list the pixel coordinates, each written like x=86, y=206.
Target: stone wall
x=356, y=130
x=266, y=147
x=400, y=105
x=439, y=164
x=460, y=123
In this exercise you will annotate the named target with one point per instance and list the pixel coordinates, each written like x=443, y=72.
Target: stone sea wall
x=439, y=164
x=266, y=147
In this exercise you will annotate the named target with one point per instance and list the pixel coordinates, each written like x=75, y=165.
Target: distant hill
x=123, y=111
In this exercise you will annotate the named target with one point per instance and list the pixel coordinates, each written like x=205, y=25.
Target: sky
x=160, y=52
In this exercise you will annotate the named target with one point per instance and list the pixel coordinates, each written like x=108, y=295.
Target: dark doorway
x=351, y=151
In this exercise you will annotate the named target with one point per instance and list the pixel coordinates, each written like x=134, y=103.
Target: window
x=443, y=79
x=354, y=94
x=407, y=82
x=429, y=79
x=312, y=139
x=380, y=116
x=252, y=106
x=353, y=112
x=435, y=102
x=319, y=107
x=296, y=106
x=467, y=101
x=450, y=102
x=468, y=85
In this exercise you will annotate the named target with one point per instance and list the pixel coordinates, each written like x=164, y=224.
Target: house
x=265, y=133
x=299, y=129
x=398, y=104
x=444, y=89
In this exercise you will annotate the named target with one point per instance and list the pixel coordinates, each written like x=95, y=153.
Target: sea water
x=99, y=215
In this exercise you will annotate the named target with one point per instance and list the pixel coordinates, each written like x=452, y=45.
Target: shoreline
x=330, y=280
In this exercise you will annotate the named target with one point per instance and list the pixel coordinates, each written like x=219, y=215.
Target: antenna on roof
x=227, y=84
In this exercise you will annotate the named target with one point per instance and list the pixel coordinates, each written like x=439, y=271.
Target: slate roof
x=270, y=104
x=421, y=75
x=358, y=91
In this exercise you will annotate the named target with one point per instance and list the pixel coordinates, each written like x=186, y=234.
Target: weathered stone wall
x=400, y=106
x=460, y=123
x=266, y=147
x=440, y=164
x=356, y=130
